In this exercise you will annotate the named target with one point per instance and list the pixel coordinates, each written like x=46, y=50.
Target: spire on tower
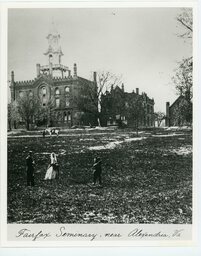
x=53, y=30
x=54, y=54
x=54, y=51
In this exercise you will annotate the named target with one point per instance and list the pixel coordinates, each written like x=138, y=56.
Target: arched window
x=57, y=103
x=30, y=94
x=21, y=94
x=57, y=92
x=65, y=117
x=69, y=116
x=67, y=89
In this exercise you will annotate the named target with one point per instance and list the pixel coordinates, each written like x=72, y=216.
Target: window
x=57, y=92
x=30, y=93
x=21, y=94
x=65, y=117
x=57, y=102
x=117, y=117
x=67, y=102
x=67, y=89
x=44, y=101
x=44, y=91
x=69, y=116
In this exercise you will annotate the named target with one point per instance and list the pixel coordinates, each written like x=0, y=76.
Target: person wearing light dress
x=52, y=171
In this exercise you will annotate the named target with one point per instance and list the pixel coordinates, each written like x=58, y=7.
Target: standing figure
x=30, y=169
x=97, y=170
x=53, y=168
x=43, y=133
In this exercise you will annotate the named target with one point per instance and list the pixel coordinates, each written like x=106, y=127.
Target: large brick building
x=56, y=87
x=116, y=108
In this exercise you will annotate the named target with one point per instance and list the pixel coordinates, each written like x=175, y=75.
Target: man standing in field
x=97, y=170
x=30, y=169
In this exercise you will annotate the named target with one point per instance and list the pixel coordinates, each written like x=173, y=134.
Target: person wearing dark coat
x=30, y=169
x=97, y=170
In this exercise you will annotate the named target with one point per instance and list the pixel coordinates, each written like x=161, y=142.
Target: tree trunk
x=98, y=119
x=9, y=125
x=15, y=126
x=27, y=125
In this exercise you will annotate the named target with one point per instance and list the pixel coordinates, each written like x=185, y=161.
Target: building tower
x=54, y=54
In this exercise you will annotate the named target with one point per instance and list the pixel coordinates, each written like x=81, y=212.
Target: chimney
x=12, y=76
x=69, y=73
x=95, y=74
x=167, y=119
x=122, y=87
x=37, y=70
x=137, y=90
x=75, y=70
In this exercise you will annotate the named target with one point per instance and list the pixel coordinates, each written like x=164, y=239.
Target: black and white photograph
x=100, y=118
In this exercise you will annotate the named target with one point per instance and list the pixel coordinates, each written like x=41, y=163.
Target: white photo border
x=3, y=126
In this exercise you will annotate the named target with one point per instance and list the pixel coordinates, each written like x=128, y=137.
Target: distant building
x=57, y=87
x=116, y=108
x=179, y=113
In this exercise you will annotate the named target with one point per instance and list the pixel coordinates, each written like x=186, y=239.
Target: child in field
x=97, y=170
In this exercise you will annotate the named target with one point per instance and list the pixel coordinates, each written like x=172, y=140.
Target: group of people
x=50, y=131
x=53, y=169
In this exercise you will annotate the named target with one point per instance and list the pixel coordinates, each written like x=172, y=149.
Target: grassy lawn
x=148, y=180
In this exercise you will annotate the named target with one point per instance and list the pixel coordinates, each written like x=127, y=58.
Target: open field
x=146, y=179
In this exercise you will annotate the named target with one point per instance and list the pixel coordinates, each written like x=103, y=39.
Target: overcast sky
x=138, y=43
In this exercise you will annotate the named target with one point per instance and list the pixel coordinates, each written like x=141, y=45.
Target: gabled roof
x=181, y=97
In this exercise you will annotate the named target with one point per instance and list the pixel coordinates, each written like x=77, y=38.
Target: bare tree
x=91, y=100
x=183, y=78
x=183, y=73
x=13, y=115
x=159, y=117
x=185, y=20
x=28, y=109
x=47, y=112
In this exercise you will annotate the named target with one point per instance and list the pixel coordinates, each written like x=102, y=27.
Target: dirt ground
x=146, y=178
